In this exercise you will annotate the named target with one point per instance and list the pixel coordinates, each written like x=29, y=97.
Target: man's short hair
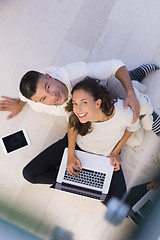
x=29, y=82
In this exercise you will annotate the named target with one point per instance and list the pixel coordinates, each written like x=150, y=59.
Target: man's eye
x=84, y=102
x=48, y=86
x=43, y=99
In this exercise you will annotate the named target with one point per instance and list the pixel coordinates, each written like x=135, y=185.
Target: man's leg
x=117, y=91
x=138, y=74
x=156, y=124
x=143, y=71
x=42, y=169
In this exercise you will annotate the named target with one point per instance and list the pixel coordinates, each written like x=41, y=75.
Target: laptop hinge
x=81, y=188
x=80, y=191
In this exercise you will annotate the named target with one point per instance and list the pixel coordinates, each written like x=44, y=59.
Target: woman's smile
x=83, y=117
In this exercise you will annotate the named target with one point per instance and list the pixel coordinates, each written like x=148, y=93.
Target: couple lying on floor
x=99, y=124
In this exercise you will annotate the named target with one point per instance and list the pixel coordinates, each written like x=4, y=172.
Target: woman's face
x=84, y=106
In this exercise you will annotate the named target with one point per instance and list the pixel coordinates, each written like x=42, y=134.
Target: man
x=50, y=90
x=54, y=86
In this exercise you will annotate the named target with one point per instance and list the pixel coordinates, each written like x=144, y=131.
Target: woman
x=98, y=124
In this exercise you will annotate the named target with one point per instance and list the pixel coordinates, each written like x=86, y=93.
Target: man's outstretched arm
x=13, y=105
x=123, y=76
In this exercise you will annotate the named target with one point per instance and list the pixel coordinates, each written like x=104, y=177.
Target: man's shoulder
x=67, y=66
x=50, y=69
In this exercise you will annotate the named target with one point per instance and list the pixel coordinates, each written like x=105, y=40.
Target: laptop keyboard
x=87, y=177
x=144, y=209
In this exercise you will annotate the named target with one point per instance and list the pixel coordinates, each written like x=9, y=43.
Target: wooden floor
x=36, y=34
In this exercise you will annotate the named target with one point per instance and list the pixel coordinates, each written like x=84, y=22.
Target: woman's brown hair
x=94, y=87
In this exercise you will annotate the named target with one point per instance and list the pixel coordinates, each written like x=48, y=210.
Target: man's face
x=50, y=91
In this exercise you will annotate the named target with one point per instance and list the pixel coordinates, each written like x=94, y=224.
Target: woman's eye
x=74, y=104
x=84, y=102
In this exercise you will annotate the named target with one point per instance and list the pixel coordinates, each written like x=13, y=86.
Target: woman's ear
x=98, y=102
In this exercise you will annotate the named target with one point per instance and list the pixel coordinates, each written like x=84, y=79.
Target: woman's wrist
x=71, y=153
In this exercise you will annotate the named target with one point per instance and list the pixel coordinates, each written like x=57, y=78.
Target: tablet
x=15, y=141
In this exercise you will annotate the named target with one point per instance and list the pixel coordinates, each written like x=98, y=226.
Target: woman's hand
x=73, y=164
x=115, y=160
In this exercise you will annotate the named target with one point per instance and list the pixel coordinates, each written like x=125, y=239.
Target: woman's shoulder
x=119, y=106
x=121, y=111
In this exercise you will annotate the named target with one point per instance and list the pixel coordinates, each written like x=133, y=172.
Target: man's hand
x=14, y=105
x=73, y=164
x=132, y=101
x=115, y=160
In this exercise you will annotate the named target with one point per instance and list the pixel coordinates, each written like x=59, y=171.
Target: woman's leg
x=118, y=186
x=42, y=169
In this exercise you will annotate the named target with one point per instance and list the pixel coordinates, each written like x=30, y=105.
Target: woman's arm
x=73, y=162
x=114, y=156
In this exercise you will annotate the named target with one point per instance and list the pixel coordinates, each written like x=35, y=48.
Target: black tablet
x=15, y=141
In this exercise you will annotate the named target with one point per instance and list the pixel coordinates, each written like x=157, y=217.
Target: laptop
x=93, y=180
x=143, y=207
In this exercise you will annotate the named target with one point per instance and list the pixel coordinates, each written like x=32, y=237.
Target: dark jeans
x=42, y=169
